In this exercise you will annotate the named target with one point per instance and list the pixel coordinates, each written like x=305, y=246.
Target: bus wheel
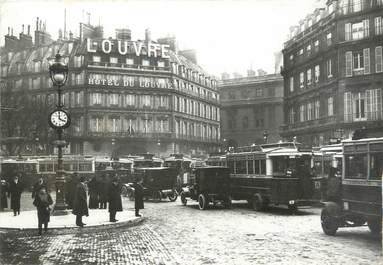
x=375, y=226
x=202, y=201
x=329, y=223
x=173, y=197
x=257, y=202
x=183, y=198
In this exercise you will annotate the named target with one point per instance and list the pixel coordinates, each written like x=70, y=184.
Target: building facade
x=252, y=109
x=124, y=96
x=333, y=73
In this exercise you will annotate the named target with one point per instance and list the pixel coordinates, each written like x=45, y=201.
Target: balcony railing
x=366, y=116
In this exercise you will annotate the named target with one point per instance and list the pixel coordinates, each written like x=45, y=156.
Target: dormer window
x=113, y=60
x=161, y=64
x=129, y=61
x=96, y=59
x=145, y=62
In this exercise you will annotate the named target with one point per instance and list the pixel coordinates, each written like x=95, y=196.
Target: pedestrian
x=37, y=186
x=103, y=190
x=14, y=192
x=70, y=188
x=114, y=199
x=138, y=196
x=80, y=207
x=42, y=201
x=93, y=193
x=3, y=194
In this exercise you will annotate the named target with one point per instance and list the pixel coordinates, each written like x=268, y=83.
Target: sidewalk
x=27, y=220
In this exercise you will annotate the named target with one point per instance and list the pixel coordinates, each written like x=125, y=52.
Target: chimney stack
x=9, y=30
x=22, y=29
x=37, y=23
x=29, y=30
x=148, y=35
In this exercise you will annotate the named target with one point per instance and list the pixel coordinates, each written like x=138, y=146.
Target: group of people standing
x=11, y=190
x=102, y=191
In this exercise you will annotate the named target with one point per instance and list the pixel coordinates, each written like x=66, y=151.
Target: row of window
x=356, y=62
x=130, y=125
x=129, y=100
x=195, y=108
x=196, y=129
x=352, y=6
x=360, y=106
x=353, y=31
x=361, y=29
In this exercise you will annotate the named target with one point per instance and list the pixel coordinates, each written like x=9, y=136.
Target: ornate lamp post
x=59, y=119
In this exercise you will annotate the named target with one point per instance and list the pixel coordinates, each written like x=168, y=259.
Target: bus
x=145, y=160
x=10, y=167
x=276, y=174
x=360, y=190
x=182, y=165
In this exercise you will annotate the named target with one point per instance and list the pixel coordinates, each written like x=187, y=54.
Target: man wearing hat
x=80, y=206
x=114, y=199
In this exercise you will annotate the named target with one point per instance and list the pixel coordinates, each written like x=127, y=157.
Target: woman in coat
x=80, y=206
x=114, y=199
x=42, y=201
x=15, y=190
x=138, y=196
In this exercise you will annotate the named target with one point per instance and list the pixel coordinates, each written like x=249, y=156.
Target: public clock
x=59, y=119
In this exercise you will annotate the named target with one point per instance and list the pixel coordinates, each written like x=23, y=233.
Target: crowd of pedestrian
x=101, y=192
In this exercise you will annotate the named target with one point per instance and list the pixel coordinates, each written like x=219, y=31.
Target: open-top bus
x=360, y=193
x=276, y=174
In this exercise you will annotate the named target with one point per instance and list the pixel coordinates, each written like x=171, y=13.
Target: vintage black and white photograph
x=191, y=132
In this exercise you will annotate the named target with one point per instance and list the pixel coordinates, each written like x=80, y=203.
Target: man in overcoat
x=114, y=199
x=103, y=190
x=93, y=193
x=42, y=201
x=70, y=188
x=15, y=190
x=138, y=196
x=3, y=194
x=80, y=206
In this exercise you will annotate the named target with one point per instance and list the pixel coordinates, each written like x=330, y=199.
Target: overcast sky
x=229, y=36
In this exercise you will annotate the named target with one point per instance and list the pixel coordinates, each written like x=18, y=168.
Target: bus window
x=250, y=168
x=256, y=168
x=376, y=166
x=279, y=166
x=263, y=167
x=240, y=167
x=356, y=166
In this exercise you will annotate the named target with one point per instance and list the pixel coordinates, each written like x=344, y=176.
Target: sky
x=228, y=36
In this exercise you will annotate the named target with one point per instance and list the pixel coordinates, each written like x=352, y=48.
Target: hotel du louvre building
x=333, y=73
x=124, y=97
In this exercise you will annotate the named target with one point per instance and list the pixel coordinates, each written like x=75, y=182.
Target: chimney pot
x=9, y=30
x=29, y=30
x=23, y=29
x=37, y=23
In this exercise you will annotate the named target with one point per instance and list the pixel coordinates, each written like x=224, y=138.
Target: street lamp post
x=59, y=119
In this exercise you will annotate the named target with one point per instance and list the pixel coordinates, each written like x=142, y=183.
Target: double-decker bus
x=276, y=174
x=360, y=190
x=27, y=167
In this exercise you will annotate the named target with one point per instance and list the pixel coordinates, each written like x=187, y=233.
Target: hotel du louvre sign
x=131, y=82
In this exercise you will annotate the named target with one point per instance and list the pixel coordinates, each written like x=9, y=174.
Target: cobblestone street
x=175, y=234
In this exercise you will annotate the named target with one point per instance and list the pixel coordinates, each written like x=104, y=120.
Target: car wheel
x=375, y=226
x=183, y=198
x=203, y=201
x=257, y=202
x=173, y=196
x=329, y=223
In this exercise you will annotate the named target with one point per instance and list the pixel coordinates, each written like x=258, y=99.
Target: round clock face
x=59, y=119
